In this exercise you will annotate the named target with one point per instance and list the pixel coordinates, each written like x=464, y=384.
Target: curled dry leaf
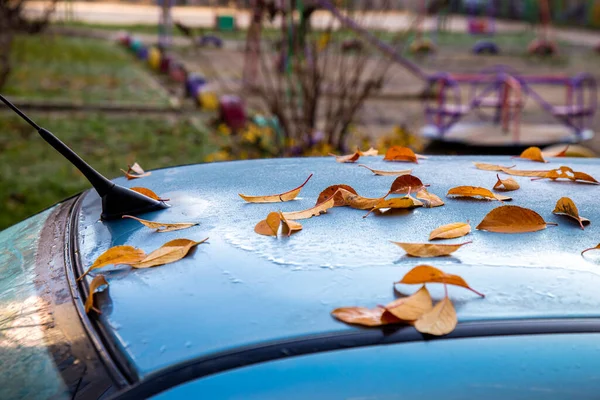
x=476, y=192
x=597, y=247
x=269, y=226
x=386, y=173
x=169, y=252
x=440, y=320
x=507, y=185
x=422, y=274
x=450, y=231
x=491, y=167
x=148, y=192
x=135, y=171
x=428, y=249
x=332, y=191
x=358, y=202
x=566, y=206
x=533, y=154
x=98, y=282
x=398, y=203
x=311, y=212
x=512, y=219
x=517, y=172
x=163, y=226
x=567, y=173
x=287, y=226
x=350, y=158
x=399, y=153
x=562, y=153
x=116, y=255
x=430, y=200
x=369, y=153
x=377, y=316
x=406, y=184
x=276, y=198
x=412, y=307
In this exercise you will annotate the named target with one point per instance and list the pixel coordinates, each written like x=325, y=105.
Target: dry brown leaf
x=97, y=282
x=412, y=307
x=399, y=153
x=567, y=173
x=533, y=154
x=355, y=201
x=289, y=227
x=148, y=192
x=562, y=153
x=512, y=219
x=276, y=198
x=350, y=158
x=475, y=191
x=440, y=320
x=135, y=171
x=369, y=153
x=311, y=212
x=377, y=316
x=163, y=226
x=430, y=200
x=516, y=172
x=428, y=249
x=406, y=184
x=332, y=191
x=450, y=231
x=398, y=203
x=422, y=274
x=387, y=173
x=591, y=248
x=268, y=226
x=169, y=252
x=566, y=206
x=491, y=167
x=506, y=185
x=116, y=255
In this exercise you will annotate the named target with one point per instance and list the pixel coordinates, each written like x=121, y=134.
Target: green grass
x=79, y=70
x=34, y=176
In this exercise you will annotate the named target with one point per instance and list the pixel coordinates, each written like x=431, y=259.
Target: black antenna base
x=119, y=201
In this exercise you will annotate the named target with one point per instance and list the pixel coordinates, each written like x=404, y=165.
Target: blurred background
x=177, y=82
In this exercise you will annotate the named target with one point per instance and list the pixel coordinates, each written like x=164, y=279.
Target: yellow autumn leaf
x=97, y=283
x=377, y=316
x=450, y=231
x=311, y=212
x=533, y=154
x=288, y=226
x=566, y=206
x=369, y=153
x=506, y=185
x=269, y=226
x=399, y=153
x=517, y=172
x=476, y=192
x=412, y=307
x=169, y=252
x=350, y=158
x=148, y=193
x=422, y=274
x=440, y=320
x=397, y=203
x=135, y=171
x=491, y=167
x=512, y=219
x=114, y=256
x=387, y=173
x=428, y=249
x=429, y=199
x=567, y=173
x=163, y=226
x=276, y=198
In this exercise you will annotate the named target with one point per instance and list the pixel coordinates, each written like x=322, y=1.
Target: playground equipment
x=483, y=25
x=543, y=45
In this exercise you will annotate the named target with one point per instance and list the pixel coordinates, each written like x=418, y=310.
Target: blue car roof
x=242, y=288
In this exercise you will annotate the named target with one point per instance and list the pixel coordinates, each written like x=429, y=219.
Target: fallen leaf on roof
x=512, y=219
x=412, y=307
x=597, y=247
x=288, y=226
x=98, y=282
x=369, y=153
x=406, y=184
x=476, y=192
x=450, y=231
x=386, y=173
x=356, y=201
x=566, y=206
x=407, y=202
x=269, y=226
x=562, y=153
x=169, y=252
x=332, y=191
x=163, y=226
x=507, y=185
x=350, y=158
x=567, y=173
x=422, y=274
x=116, y=255
x=276, y=198
x=148, y=192
x=311, y=212
x=440, y=320
x=533, y=154
x=429, y=249
x=377, y=316
x=517, y=172
x=491, y=167
x=399, y=153
x=429, y=199
x=135, y=171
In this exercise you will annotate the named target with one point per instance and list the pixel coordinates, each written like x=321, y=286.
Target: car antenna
x=116, y=200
